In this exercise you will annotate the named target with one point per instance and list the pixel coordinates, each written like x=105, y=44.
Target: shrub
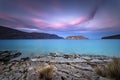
x=46, y=71
x=100, y=70
x=111, y=70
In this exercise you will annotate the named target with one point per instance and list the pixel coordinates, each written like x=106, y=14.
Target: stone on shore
x=6, y=56
x=54, y=54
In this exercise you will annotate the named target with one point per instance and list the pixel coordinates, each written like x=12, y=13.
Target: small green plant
x=111, y=70
x=46, y=71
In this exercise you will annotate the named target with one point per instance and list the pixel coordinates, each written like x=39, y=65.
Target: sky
x=90, y=18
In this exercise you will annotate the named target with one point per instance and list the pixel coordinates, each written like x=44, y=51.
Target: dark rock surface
x=6, y=56
x=8, y=33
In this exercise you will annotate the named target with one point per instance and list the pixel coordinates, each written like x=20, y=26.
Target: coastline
x=69, y=67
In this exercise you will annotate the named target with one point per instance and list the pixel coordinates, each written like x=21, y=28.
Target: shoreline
x=69, y=67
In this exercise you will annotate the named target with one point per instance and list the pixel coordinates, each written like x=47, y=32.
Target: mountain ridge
x=112, y=37
x=9, y=33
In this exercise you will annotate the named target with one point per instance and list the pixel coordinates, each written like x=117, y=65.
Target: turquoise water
x=37, y=47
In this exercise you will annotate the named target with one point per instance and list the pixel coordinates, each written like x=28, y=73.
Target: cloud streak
x=31, y=15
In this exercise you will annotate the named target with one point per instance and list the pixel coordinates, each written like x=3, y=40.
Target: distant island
x=76, y=37
x=8, y=33
x=112, y=37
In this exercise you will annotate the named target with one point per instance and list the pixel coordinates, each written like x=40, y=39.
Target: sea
x=39, y=47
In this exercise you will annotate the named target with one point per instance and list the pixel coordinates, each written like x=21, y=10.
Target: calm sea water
x=37, y=47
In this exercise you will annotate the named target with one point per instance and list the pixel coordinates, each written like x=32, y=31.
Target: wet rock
x=25, y=59
x=6, y=56
x=54, y=54
x=63, y=78
x=76, y=56
x=87, y=58
x=67, y=56
x=102, y=78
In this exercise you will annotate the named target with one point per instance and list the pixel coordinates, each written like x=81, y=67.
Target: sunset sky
x=90, y=18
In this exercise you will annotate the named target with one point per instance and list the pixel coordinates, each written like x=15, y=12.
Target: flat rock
x=67, y=69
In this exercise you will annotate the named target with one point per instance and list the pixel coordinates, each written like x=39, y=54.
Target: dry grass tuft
x=46, y=71
x=1, y=70
x=100, y=70
x=111, y=70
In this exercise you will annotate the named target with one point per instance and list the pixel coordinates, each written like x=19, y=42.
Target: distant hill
x=76, y=37
x=112, y=37
x=8, y=33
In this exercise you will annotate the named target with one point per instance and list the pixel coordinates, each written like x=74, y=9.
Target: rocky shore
x=68, y=67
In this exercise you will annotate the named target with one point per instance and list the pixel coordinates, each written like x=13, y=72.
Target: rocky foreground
x=68, y=67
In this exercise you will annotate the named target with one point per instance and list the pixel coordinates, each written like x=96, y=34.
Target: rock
x=76, y=56
x=67, y=56
x=63, y=78
x=25, y=59
x=18, y=75
x=87, y=58
x=6, y=56
x=54, y=54
x=71, y=56
x=16, y=55
x=102, y=78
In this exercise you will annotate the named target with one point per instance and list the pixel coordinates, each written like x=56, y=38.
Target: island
x=8, y=33
x=76, y=37
x=112, y=37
